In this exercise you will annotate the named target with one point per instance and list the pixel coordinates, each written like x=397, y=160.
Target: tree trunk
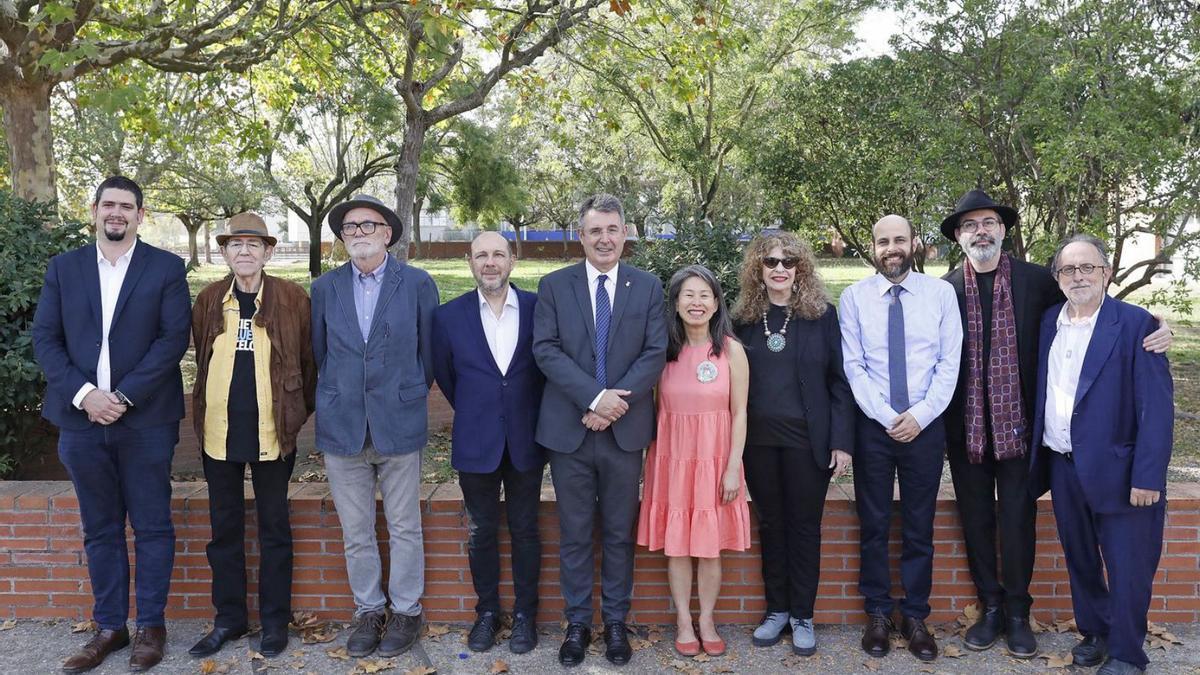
x=517, y=231
x=314, y=247
x=192, y=225
x=30, y=140
x=207, y=242
x=407, y=166
x=418, y=204
x=566, y=251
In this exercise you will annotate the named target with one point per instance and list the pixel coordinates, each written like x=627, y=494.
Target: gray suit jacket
x=564, y=347
x=384, y=381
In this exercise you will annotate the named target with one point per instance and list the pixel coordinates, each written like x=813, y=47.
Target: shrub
x=715, y=246
x=26, y=247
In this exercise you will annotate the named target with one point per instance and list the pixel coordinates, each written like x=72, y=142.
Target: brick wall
x=42, y=570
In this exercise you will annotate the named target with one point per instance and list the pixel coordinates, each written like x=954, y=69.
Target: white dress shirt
x=610, y=285
x=932, y=341
x=1070, y=344
x=501, y=331
x=112, y=276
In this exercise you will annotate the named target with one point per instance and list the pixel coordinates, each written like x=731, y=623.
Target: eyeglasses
x=366, y=227
x=252, y=245
x=1087, y=269
x=973, y=226
x=788, y=263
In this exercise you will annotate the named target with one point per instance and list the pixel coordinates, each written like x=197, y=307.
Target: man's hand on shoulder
x=1160, y=340
x=611, y=404
x=102, y=407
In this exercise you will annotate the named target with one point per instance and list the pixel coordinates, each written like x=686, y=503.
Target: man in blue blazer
x=1103, y=433
x=600, y=337
x=483, y=362
x=112, y=323
x=372, y=320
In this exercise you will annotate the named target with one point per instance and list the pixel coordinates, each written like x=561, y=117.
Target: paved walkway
x=39, y=647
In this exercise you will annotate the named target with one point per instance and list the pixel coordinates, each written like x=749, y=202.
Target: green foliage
x=25, y=249
x=485, y=185
x=716, y=246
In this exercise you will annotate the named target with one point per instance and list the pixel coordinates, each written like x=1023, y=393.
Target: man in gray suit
x=371, y=325
x=600, y=337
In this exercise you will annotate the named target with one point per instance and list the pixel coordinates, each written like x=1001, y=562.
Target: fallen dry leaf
x=654, y=637
x=870, y=665
x=1057, y=660
x=498, y=666
x=303, y=620
x=436, y=630
x=1066, y=626
x=255, y=656
x=1036, y=626
x=421, y=670
x=84, y=626
x=8, y=625
x=972, y=611
x=952, y=652
x=702, y=658
x=374, y=665
x=208, y=667
x=638, y=644
x=339, y=654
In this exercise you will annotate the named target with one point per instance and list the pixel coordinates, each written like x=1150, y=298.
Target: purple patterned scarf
x=1003, y=373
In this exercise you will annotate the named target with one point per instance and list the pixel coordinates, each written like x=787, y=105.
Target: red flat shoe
x=687, y=648
x=714, y=647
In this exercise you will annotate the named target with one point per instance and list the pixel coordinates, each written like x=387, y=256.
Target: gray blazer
x=564, y=347
x=383, y=382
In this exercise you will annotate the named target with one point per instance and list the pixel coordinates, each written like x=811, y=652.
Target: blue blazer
x=1122, y=429
x=564, y=345
x=383, y=381
x=150, y=331
x=491, y=410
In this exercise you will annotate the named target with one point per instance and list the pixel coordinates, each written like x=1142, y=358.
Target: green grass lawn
x=453, y=278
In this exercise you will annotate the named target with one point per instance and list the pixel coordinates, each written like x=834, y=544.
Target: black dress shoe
x=1117, y=667
x=1021, y=642
x=368, y=628
x=1091, y=651
x=575, y=645
x=274, y=641
x=217, y=637
x=483, y=633
x=524, y=634
x=877, y=636
x=616, y=636
x=400, y=634
x=986, y=630
x=920, y=641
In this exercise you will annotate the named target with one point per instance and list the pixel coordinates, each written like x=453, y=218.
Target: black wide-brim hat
x=973, y=201
x=338, y=214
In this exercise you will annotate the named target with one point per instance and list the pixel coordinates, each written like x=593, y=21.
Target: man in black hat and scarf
x=1001, y=300
x=372, y=324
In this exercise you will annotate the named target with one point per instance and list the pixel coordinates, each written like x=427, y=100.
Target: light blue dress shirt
x=366, y=295
x=933, y=340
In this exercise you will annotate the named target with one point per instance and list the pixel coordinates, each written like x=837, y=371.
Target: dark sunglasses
x=788, y=263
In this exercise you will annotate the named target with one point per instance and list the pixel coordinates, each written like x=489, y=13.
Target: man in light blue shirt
x=901, y=344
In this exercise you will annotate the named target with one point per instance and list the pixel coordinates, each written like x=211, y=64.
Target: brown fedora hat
x=246, y=224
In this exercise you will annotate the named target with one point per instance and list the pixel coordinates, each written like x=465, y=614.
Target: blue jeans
x=119, y=471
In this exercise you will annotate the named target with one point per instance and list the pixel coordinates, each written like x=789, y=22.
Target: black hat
x=974, y=201
x=338, y=214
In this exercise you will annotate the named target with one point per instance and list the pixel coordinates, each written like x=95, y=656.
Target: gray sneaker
x=804, y=642
x=771, y=629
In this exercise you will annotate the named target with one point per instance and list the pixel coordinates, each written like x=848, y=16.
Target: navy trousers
x=878, y=462
x=1126, y=544
x=119, y=472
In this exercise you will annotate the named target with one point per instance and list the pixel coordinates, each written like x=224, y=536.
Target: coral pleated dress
x=681, y=512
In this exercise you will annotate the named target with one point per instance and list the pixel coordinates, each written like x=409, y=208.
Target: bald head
x=893, y=244
x=891, y=222
x=491, y=263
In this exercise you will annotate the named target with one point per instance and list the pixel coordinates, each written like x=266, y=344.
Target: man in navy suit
x=600, y=336
x=1103, y=431
x=112, y=323
x=483, y=362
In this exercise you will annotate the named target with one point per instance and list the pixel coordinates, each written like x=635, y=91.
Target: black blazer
x=1033, y=290
x=828, y=401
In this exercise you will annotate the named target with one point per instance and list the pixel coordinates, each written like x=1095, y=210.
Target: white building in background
x=1142, y=246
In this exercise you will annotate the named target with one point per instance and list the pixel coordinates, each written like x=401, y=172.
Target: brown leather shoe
x=877, y=636
x=103, y=643
x=920, y=642
x=148, y=646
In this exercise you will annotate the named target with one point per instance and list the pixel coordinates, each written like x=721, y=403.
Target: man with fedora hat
x=255, y=387
x=1001, y=300
x=372, y=319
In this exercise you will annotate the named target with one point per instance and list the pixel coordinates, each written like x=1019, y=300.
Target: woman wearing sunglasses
x=800, y=424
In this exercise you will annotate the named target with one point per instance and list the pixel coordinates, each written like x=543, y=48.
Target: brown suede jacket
x=286, y=315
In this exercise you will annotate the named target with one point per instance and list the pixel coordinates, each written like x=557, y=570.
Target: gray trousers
x=599, y=476
x=352, y=480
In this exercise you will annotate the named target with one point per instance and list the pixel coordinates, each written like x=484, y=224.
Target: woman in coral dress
x=694, y=500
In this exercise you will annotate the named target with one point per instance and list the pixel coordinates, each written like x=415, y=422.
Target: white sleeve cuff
x=83, y=391
x=596, y=401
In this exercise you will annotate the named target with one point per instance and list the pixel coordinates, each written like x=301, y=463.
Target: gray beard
x=983, y=254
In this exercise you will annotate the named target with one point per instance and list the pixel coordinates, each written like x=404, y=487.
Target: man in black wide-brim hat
x=1001, y=300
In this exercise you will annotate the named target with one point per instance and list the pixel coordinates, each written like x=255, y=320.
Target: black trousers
x=989, y=494
x=227, y=551
x=787, y=490
x=522, y=495
x=878, y=462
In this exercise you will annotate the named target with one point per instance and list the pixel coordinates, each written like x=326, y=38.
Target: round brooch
x=706, y=372
x=776, y=342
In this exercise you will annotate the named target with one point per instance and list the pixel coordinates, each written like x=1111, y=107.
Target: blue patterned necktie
x=897, y=365
x=603, y=319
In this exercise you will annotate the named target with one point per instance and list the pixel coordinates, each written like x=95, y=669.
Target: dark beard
x=114, y=236
x=900, y=269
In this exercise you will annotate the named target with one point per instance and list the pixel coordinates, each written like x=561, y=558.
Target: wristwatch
x=122, y=398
